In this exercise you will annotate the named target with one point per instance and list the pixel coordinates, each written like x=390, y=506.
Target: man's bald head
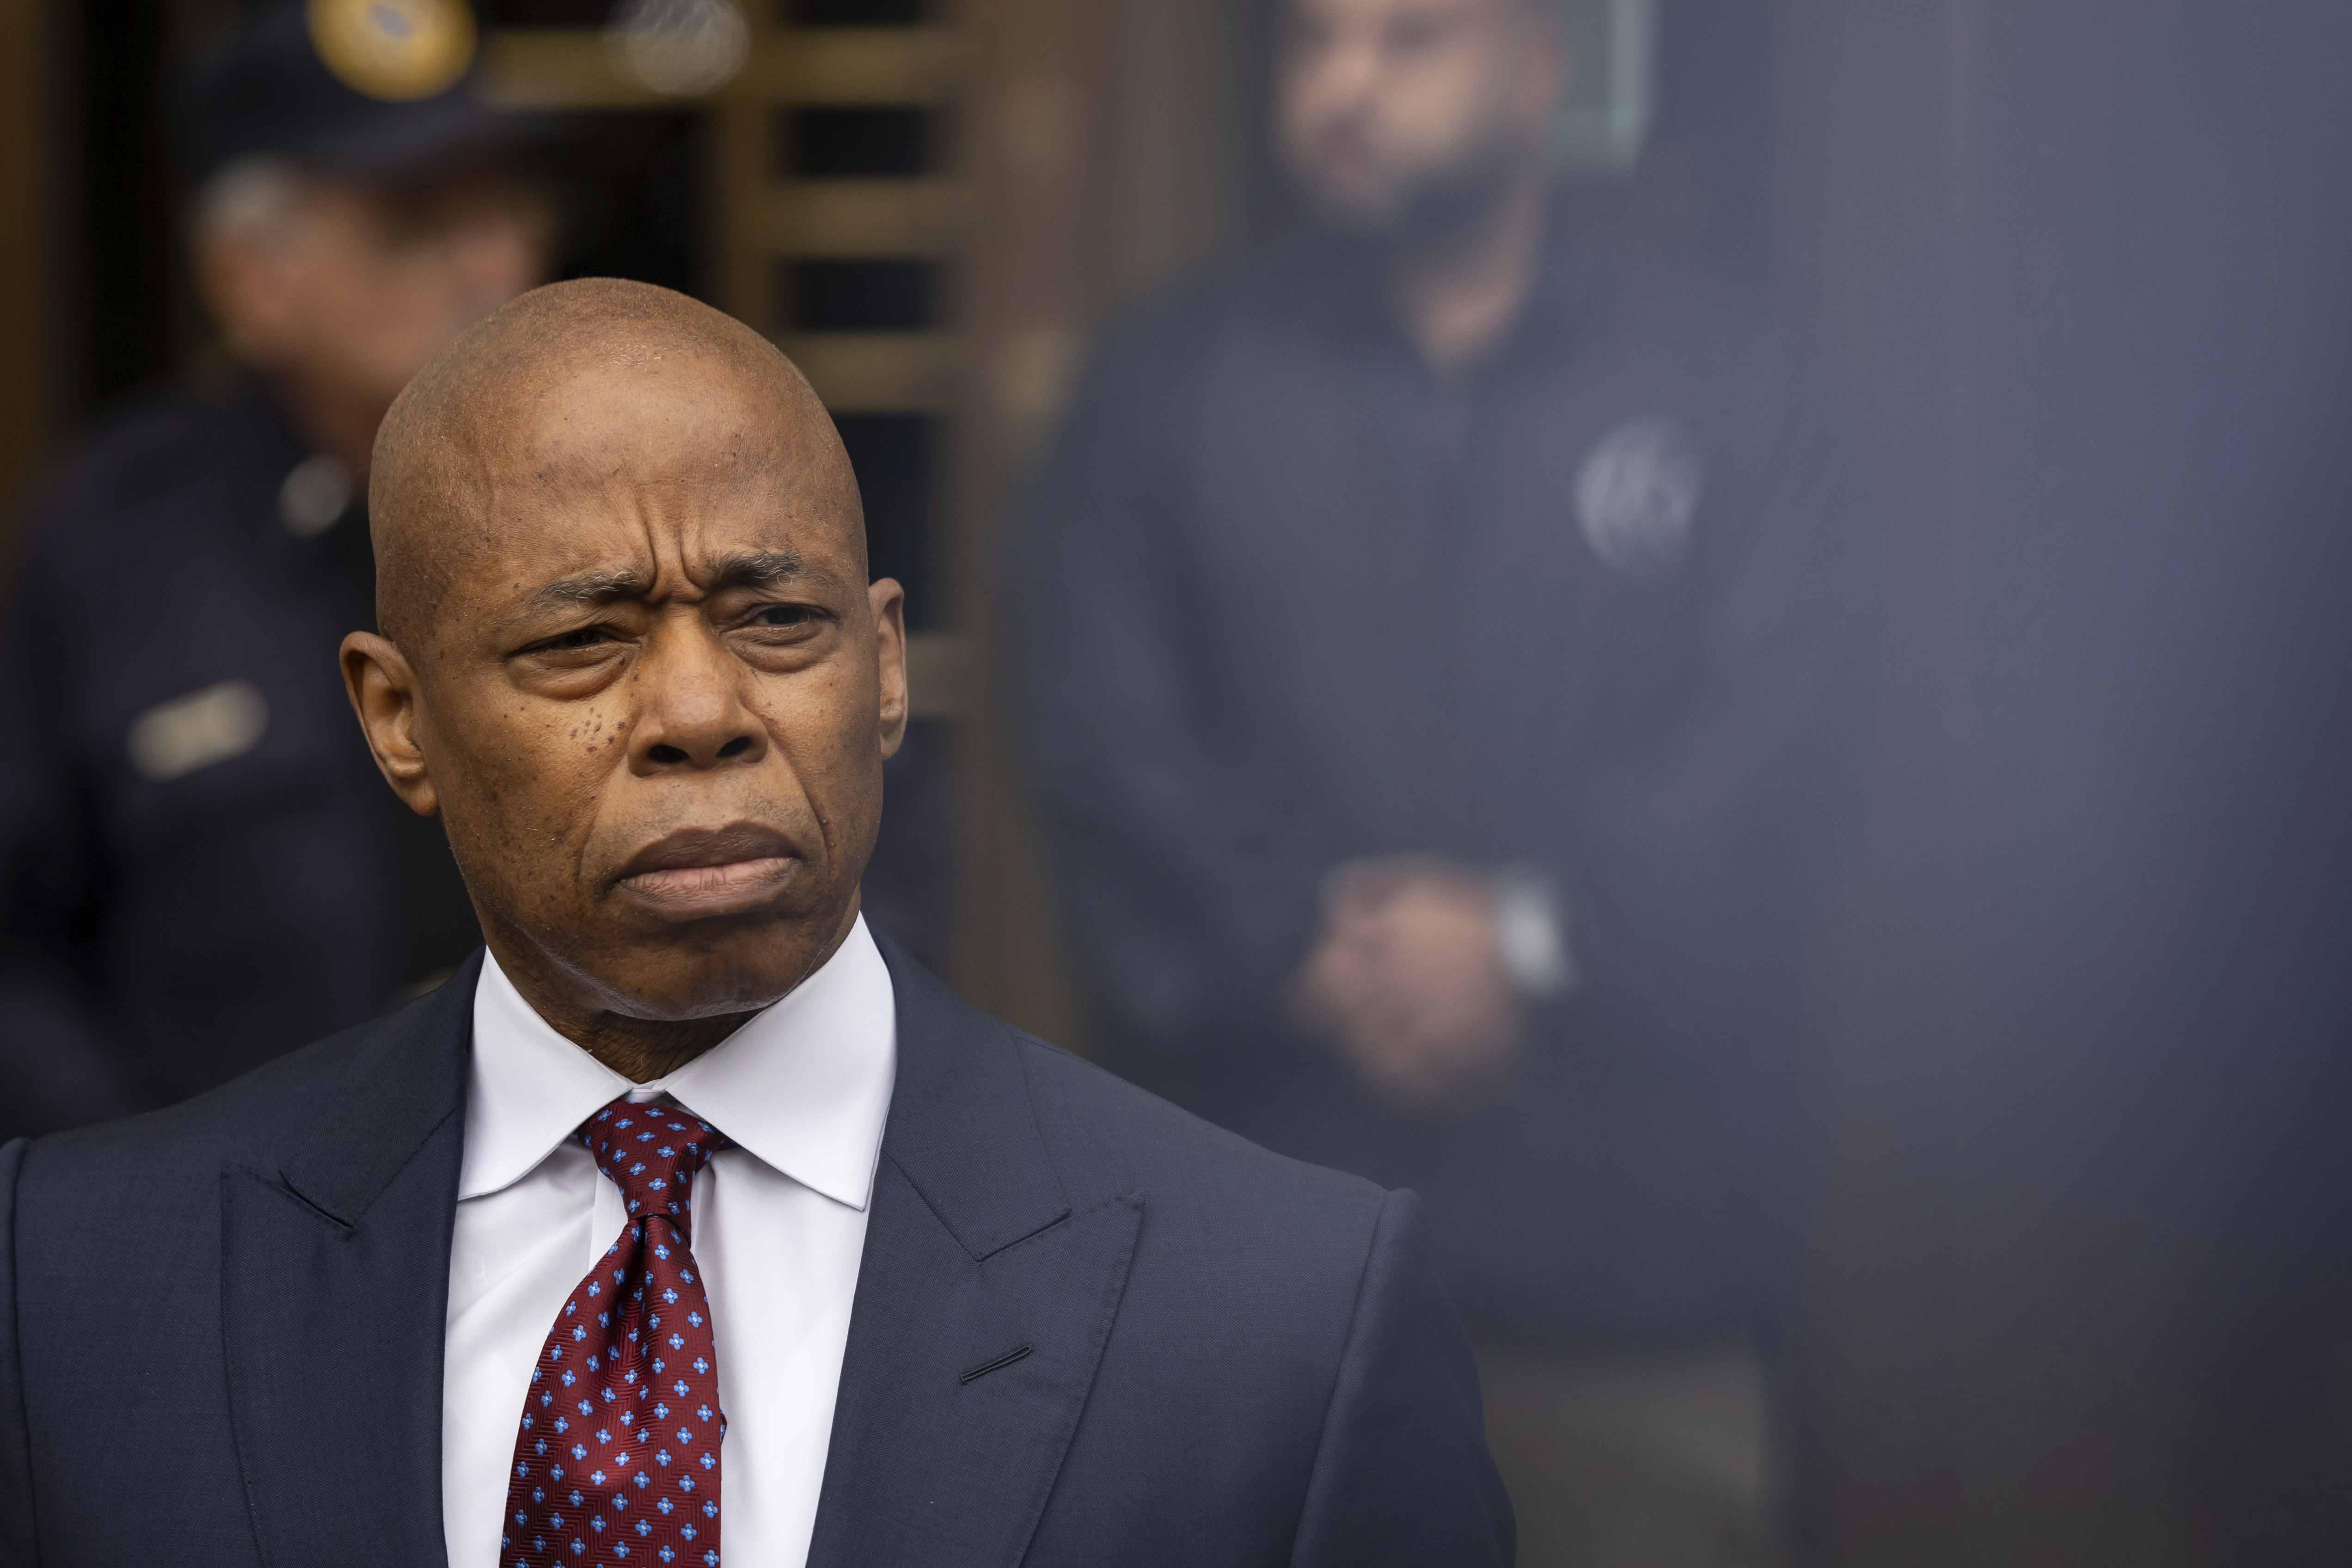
x=487, y=412
x=632, y=660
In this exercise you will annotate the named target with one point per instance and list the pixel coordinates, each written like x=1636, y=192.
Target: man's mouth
x=696, y=873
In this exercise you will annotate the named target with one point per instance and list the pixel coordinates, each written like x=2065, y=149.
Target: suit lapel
x=335, y=1270
x=984, y=1300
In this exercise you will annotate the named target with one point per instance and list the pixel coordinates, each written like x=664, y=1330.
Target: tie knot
x=652, y=1152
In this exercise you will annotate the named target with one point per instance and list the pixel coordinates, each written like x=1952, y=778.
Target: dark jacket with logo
x=1284, y=597
x=200, y=868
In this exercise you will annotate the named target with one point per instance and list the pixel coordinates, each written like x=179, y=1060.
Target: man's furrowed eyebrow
x=592, y=588
x=745, y=569
x=763, y=568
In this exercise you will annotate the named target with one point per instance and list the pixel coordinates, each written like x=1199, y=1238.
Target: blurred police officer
x=199, y=866
x=1439, y=639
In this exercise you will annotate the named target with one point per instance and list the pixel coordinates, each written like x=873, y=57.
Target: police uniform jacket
x=200, y=868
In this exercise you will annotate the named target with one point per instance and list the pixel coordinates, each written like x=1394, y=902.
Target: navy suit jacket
x=221, y=1327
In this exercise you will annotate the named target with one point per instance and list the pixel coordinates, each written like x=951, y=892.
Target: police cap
x=372, y=88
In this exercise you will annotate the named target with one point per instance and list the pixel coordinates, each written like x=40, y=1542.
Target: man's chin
x=718, y=981
x=660, y=965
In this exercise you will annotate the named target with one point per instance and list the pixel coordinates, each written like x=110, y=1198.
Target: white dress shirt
x=779, y=1226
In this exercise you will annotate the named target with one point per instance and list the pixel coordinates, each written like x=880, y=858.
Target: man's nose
x=693, y=714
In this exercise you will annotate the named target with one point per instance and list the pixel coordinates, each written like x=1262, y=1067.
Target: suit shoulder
x=241, y=1120
x=259, y=1119
x=1231, y=1233
x=1101, y=1130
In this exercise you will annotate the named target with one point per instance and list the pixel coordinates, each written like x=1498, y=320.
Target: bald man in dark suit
x=691, y=1221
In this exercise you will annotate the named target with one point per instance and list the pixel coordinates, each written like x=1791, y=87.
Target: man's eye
x=784, y=616
x=586, y=637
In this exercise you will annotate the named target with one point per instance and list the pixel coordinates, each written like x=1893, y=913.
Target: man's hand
x=1407, y=982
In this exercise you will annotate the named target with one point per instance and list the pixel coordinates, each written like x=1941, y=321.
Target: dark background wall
x=2080, y=269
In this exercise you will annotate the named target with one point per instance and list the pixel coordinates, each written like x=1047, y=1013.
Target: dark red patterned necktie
x=617, y=1461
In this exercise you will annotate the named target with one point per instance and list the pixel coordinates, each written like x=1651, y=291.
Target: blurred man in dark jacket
x=198, y=867
x=1441, y=646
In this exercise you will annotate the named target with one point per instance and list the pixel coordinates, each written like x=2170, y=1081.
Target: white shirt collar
x=804, y=1085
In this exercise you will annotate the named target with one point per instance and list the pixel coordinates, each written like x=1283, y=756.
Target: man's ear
x=385, y=694
x=889, y=603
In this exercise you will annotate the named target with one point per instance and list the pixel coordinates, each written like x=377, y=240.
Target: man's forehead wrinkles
x=605, y=585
